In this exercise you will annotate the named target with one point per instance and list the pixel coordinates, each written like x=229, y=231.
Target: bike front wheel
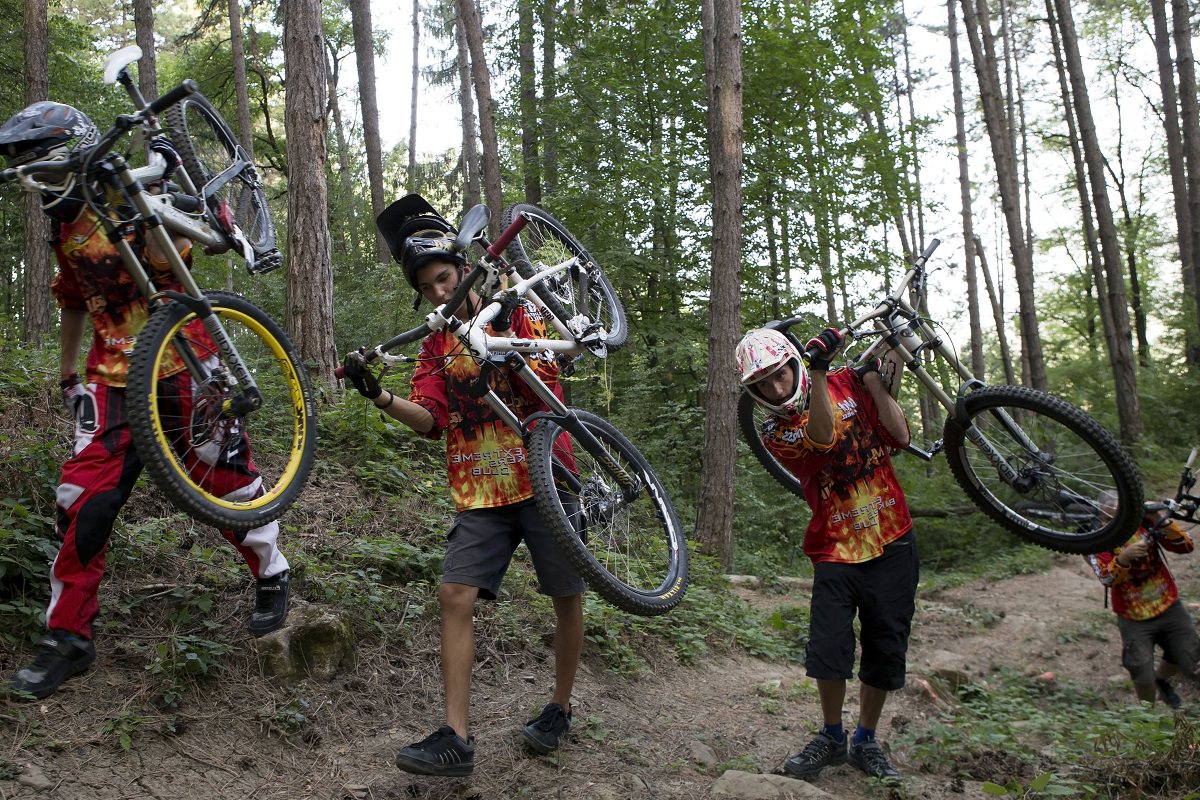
x=751, y=418
x=609, y=513
x=544, y=242
x=1038, y=465
x=234, y=471
x=221, y=170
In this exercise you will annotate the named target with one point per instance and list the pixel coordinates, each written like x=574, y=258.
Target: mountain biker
x=489, y=482
x=1146, y=601
x=834, y=430
x=97, y=478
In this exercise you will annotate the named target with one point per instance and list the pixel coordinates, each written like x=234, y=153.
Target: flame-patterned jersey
x=1144, y=589
x=486, y=460
x=91, y=277
x=856, y=500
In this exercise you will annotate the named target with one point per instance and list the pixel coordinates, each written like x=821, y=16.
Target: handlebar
x=185, y=89
x=496, y=248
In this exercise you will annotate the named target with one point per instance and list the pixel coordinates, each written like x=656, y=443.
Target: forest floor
x=645, y=737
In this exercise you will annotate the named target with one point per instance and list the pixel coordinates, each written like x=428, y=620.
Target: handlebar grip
x=507, y=235
x=1191, y=459
x=933, y=245
x=188, y=87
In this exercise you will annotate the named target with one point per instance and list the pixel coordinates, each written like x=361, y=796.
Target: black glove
x=162, y=145
x=870, y=366
x=357, y=372
x=822, y=348
x=72, y=393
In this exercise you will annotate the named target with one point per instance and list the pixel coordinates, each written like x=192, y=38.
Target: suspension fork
x=249, y=397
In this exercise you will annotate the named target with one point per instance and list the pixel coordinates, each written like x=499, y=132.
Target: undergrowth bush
x=1012, y=728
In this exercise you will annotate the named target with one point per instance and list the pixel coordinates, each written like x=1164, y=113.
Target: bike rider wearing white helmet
x=834, y=430
x=97, y=479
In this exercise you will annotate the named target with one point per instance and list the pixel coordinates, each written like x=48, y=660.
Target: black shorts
x=1172, y=630
x=883, y=594
x=481, y=543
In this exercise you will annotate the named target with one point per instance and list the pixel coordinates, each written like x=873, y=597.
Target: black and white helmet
x=45, y=131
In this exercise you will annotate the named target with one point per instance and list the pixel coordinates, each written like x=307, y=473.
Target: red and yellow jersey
x=856, y=500
x=1144, y=589
x=486, y=460
x=92, y=277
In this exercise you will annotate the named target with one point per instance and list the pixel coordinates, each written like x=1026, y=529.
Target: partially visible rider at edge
x=99, y=475
x=1146, y=601
x=834, y=431
x=488, y=472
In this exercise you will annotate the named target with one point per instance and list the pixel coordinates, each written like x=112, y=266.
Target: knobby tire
x=631, y=552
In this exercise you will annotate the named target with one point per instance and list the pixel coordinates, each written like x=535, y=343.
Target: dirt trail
x=632, y=737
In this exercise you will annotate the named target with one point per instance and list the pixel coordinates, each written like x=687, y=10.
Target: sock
x=862, y=734
x=834, y=732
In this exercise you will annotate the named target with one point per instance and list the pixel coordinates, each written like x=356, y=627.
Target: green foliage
x=1010, y=730
x=122, y=728
x=182, y=658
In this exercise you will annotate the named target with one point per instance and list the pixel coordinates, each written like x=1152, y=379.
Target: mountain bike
x=601, y=500
x=249, y=384
x=1028, y=459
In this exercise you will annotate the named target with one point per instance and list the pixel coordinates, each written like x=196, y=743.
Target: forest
x=728, y=164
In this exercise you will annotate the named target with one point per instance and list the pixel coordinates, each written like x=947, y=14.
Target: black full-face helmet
x=49, y=131
x=416, y=234
x=45, y=131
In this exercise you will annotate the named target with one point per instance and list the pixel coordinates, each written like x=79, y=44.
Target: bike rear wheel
x=625, y=541
x=222, y=171
x=544, y=241
x=1064, y=459
x=182, y=428
x=751, y=417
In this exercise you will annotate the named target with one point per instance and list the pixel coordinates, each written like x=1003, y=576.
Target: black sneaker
x=869, y=757
x=821, y=752
x=60, y=655
x=442, y=753
x=270, y=604
x=545, y=734
x=1166, y=693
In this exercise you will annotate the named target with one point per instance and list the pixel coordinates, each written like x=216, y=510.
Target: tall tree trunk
x=1006, y=361
x=979, y=34
x=531, y=166
x=470, y=153
x=35, y=321
x=364, y=54
x=350, y=227
x=1124, y=369
x=1095, y=262
x=1179, y=184
x=143, y=33
x=723, y=76
x=309, y=316
x=241, y=89
x=964, y=188
x=416, y=82
x=1190, y=122
x=473, y=27
x=549, y=13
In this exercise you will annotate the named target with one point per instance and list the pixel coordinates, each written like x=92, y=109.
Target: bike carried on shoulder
x=608, y=511
x=249, y=384
x=1028, y=459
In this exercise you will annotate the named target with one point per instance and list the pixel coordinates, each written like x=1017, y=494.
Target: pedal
x=268, y=261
